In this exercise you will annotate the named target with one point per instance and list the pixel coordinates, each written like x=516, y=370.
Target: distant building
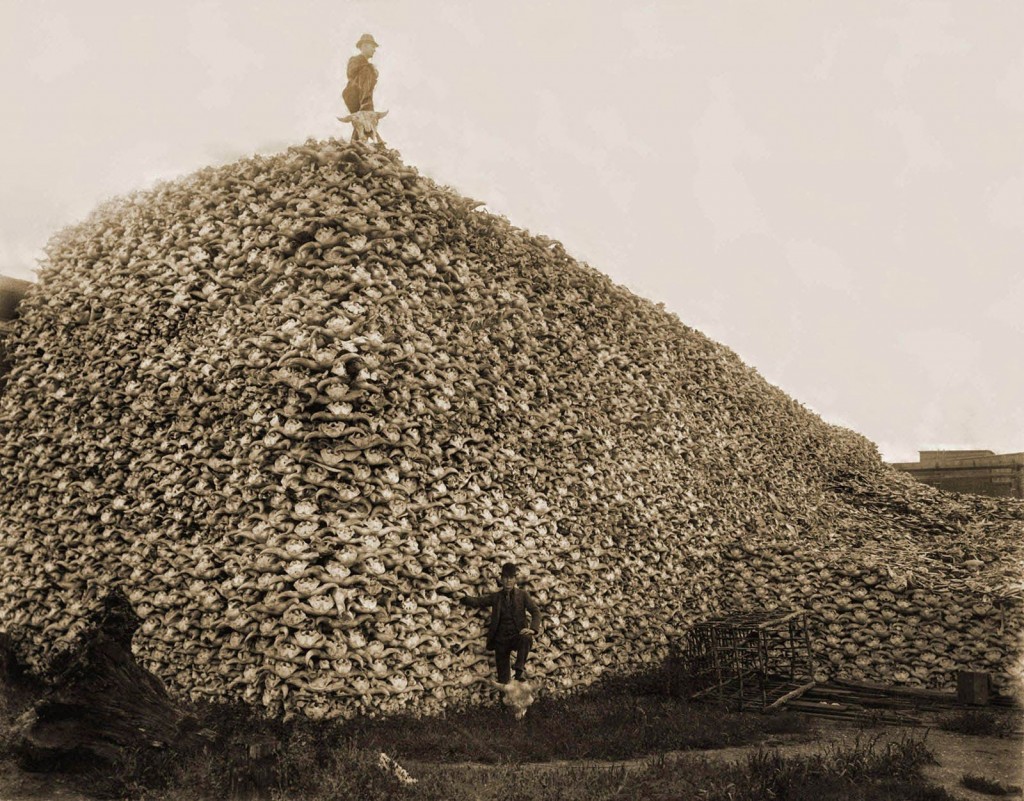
x=12, y=290
x=976, y=472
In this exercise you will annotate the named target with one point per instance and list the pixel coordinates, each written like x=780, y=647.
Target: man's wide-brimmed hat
x=366, y=39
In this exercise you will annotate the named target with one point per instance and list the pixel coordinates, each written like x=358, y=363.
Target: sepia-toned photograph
x=468, y=400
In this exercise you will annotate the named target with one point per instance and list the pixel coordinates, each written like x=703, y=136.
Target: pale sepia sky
x=832, y=188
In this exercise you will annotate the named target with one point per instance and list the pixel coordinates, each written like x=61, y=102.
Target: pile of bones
x=295, y=406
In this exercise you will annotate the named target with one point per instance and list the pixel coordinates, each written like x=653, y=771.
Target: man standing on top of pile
x=507, y=631
x=358, y=92
x=362, y=76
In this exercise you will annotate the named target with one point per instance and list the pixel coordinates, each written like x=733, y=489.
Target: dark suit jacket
x=521, y=604
x=362, y=77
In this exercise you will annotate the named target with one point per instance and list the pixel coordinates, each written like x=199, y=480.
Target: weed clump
x=861, y=772
x=979, y=723
x=988, y=786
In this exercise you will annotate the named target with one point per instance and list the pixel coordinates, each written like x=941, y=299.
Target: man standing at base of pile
x=362, y=77
x=508, y=631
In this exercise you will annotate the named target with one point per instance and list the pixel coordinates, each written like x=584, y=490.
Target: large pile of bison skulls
x=296, y=405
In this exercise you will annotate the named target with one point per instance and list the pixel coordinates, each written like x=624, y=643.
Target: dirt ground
x=998, y=759
x=993, y=758
x=1001, y=760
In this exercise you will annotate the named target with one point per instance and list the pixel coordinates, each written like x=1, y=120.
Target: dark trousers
x=503, y=648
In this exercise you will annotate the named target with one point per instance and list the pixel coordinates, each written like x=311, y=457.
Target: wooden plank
x=910, y=692
x=791, y=695
x=817, y=705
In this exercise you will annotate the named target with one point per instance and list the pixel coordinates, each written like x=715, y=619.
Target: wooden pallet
x=841, y=698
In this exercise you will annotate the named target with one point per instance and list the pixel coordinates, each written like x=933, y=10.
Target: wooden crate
x=973, y=687
x=756, y=660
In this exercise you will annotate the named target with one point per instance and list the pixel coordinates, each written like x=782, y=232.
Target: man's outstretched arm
x=477, y=600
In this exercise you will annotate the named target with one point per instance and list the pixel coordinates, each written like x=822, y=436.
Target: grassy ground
x=616, y=720
x=589, y=726
x=862, y=772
